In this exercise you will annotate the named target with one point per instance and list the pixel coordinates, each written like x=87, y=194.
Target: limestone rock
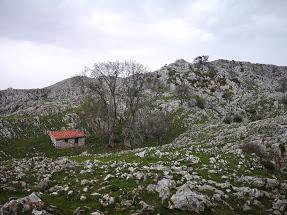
x=186, y=199
x=22, y=205
x=163, y=188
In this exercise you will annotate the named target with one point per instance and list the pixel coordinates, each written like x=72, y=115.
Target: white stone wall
x=81, y=141
x=53, y=140
x=71, y=142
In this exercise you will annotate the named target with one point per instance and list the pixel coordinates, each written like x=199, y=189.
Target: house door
x=76, y=140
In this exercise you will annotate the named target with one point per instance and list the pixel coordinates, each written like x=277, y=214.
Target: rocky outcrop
x=226, y=88
x=29, y=204
x=186, y=199
x=57, y=98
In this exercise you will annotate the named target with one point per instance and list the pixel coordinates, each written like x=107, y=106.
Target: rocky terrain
x=211, y=91
x=57, y=98
x=202, y=171
x=231, y=156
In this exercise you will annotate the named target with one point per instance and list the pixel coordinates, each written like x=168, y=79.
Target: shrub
x=269, y=165
x=237, y=118
x=200, y=102
x=284, y=100
x=171, y=73
x=227, y=120
x=258, y=149
x=236, y=80
x=182, y=91
x=211, y=73
x=283, y=85
x=222, y=81
x=228, y=94
x=282, y=148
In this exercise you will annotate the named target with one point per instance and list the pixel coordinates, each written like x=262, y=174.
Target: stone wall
x=71, y=143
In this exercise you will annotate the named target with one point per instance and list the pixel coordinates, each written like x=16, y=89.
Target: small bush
x=236, y=80
x=228, y=94
x=283, y=85
x=200, y=102
x=258, y=149
x=211, y=73
x=227, y=120
x=284, y=100
x=237, y=118
x=269, y=165
x=222, y=81
x=282, y=148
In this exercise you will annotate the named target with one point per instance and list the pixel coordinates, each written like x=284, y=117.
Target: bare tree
x=106, y=76
x=115, y=84
x=133, y=87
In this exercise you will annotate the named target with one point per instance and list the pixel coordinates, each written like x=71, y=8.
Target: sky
x=43, y=42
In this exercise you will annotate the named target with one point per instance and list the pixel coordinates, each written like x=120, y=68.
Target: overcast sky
x=43, y=42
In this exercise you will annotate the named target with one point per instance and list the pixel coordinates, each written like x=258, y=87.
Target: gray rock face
x=50, y=100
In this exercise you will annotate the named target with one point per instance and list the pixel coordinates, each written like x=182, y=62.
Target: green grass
x=21, y=148
x=4, y=195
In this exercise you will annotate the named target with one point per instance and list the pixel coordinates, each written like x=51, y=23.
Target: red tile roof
x=67, y=134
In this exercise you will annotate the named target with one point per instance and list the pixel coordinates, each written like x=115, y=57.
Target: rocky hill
x=226, y=86
x=220, y=82
x=227, y=152
x=54, y=99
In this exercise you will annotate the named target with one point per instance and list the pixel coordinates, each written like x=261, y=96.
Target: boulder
x=96, y=213
x=163, y=188
x=146, y=208
x=22, y=205
x=44, y=184
x=141, y=154
x=107, y=200
x=279, y=206
x=188, y=200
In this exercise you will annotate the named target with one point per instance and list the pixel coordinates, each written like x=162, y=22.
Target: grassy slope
x=31, y=139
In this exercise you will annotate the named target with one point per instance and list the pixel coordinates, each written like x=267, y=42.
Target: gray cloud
x=42, y=42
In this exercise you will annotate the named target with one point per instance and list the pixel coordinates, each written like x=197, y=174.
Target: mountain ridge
x=70, y=87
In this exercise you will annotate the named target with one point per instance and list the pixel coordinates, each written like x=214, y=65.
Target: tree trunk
x=158, y=140
x=111, y=140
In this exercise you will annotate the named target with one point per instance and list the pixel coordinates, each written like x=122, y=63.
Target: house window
x=76, y=140
x=66, y=140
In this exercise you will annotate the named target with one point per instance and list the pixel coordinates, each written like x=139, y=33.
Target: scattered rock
x=107, y=200
x=22, y=205
x=186, y=199
x=141, y=154
x=146, y=208
x=163, y=188
x=83, y=198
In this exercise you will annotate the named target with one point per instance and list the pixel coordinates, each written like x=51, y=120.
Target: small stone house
x=68, y=138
